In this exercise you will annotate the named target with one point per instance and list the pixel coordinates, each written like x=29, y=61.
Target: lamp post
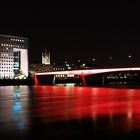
x=129, y=59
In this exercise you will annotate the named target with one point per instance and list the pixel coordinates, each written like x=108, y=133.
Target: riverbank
x=7, y=82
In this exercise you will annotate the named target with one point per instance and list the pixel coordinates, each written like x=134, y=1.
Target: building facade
x=13, y=56
x=46, y=58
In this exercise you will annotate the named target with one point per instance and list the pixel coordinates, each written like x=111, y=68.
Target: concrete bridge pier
x=83, y=79
x=35, y=80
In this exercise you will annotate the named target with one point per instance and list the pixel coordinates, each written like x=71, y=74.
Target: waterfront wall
x=5, y=82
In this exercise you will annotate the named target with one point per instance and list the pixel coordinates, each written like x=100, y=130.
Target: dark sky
x=77, y=30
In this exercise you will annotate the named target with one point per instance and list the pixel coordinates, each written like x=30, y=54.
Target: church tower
x=46, y=57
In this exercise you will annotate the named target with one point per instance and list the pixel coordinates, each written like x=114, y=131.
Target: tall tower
x=46, y=57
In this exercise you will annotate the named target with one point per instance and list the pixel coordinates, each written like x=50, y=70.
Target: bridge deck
x=88, y=71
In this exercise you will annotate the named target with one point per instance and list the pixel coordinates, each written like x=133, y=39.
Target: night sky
x=77, y=30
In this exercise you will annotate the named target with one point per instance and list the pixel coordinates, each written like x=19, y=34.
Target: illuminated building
x=13, y=56
x=46, y=58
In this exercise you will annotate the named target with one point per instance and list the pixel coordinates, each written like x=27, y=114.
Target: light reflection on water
x=104, y=110
x=17, y=109
x=13, y=109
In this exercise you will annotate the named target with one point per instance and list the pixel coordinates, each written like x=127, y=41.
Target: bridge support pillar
x=35, y=80
x=53, y=80
x=83, y=80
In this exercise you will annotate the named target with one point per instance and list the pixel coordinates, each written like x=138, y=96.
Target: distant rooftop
x=10, y=36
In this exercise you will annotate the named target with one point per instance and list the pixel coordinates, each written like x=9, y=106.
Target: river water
x=69, y=112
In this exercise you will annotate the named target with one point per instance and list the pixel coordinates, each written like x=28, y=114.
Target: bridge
x=82, y=72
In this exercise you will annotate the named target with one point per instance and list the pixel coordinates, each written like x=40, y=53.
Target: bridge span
x=83, y=72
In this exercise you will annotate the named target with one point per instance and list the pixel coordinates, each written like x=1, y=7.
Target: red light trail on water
x=120, y=107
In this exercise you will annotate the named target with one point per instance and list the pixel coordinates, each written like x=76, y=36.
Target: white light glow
x=88, y=72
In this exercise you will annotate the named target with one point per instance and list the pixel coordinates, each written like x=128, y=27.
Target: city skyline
x=105, y=32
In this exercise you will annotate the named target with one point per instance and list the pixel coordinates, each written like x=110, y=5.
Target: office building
x=13, y=56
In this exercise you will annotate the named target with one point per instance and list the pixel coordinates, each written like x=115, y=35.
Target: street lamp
x=110, y=58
